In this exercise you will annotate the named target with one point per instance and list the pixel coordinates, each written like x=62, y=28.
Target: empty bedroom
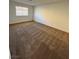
x=39, y=29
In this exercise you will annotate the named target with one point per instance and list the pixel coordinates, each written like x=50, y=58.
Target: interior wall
x=54, y=15
x=12, y=13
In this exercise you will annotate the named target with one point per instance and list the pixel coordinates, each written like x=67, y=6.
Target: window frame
x=20, y=11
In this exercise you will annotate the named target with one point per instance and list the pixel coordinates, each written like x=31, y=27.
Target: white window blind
x=21, y=11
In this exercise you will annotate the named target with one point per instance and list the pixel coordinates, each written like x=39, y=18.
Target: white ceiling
x=37, y=2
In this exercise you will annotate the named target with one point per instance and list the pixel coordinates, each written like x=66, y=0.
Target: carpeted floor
x=33, y=40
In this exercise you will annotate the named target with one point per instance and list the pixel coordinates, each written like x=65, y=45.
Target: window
x=21, y=11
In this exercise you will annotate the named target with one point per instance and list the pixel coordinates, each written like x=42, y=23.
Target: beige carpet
x=32, y=40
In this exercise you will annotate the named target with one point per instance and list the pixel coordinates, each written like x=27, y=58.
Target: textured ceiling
x=37, y=2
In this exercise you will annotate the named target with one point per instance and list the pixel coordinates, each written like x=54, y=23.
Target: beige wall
x=12, y=13
x=54, y=15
